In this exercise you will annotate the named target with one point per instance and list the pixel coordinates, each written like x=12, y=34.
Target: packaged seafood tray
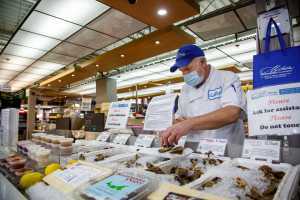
x=76, y=175
x=133, y=160
x=166, y=152
x=246, y=179
x=90, y=145
x=131, y=184
x=101, y=155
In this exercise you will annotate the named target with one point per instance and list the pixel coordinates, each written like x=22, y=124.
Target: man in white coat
x=211, y=104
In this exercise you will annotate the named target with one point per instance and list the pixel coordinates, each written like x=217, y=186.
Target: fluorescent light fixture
x=246, y=75
x=77, y=11
x=49, y=26
x=29, y=77
x=3, y=80
x=47, y=66
x=245, y=57
x=34, y=40
x=38, y=71
x=16, y=60
x=18, y=84
x=12, y=67
x=162, y=12
x=212, y=54
x=22, y=51
x=92, y=91
x=7, y=74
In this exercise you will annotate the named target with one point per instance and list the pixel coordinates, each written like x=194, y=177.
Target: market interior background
x=63, y=61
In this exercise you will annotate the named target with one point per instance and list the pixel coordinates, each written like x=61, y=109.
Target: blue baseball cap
x=185, y=55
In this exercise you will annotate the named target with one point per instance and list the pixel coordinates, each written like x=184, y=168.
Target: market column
x=31, y=113
x=106, y=90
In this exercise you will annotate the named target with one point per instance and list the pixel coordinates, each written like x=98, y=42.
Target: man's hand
x=179, y=119
x=175, y=132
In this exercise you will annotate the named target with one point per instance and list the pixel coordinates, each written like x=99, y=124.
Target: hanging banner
x=159, y=115
x=118, y=114
x=86, y=104
x=274, y=110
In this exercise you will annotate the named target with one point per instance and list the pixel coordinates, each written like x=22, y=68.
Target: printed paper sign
x=144, y=140
x=262, y=150
x=216, y=146
x=274, y=110
x=159, y=115
x=77, y=175
x=118, y=115
x=121, y=139
x=86, y=104
x=104, y=136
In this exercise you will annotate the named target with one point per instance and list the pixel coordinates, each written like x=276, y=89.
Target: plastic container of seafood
x=246, y=179
x=131, y=184
x=173, y=152
x=101, y=155
x=132, y=160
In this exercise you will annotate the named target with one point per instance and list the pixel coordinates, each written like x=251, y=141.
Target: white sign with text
x=118, y=114
x=121, y=139
x=268, y=150
x=216, y=146
x=274, y=110
x=104, y=136
x=144, y=140
x=159, y=115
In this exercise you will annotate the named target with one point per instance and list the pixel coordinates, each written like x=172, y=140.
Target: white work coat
x=221, y=89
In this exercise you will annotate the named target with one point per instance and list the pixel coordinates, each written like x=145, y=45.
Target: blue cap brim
x=180, y=63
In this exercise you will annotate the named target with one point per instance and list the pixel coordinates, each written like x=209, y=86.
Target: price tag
x=268, y=150
x=216, y=146
x=104, y=136
x=144, y=140
x=182, y=140
x=121, y=139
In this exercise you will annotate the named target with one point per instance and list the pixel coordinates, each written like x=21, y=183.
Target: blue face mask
x=193, y=78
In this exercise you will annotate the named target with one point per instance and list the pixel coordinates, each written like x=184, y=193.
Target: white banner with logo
x=274, y=110
x=118, y=115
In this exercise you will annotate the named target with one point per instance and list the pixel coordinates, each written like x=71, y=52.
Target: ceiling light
x=157, y=42
x=162, y=12
x=97, y=65
x=73, y=75
x=49, y=85
x=122, y=55
x=59, y=81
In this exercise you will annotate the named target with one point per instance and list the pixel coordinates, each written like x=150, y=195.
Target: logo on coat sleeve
x=215, y=93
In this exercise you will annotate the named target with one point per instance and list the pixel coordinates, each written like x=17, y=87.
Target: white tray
x=155, y=152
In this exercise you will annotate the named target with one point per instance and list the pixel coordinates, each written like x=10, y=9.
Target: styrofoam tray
x=252, y=164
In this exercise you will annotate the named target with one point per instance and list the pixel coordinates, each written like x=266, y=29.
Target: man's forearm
x=216, y=119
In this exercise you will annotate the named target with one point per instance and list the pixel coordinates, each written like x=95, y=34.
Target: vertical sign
x=118, y=115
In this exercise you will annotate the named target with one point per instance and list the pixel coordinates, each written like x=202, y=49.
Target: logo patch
x=215, y=93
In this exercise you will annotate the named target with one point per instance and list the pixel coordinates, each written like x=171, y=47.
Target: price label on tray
x=144, y=140
x=121, y=139
x=104, y=136
x=216, y=146
x=268, y=150
x=181, y=141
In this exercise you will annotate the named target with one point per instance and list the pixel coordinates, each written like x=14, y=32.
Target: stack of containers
x=65, y=146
